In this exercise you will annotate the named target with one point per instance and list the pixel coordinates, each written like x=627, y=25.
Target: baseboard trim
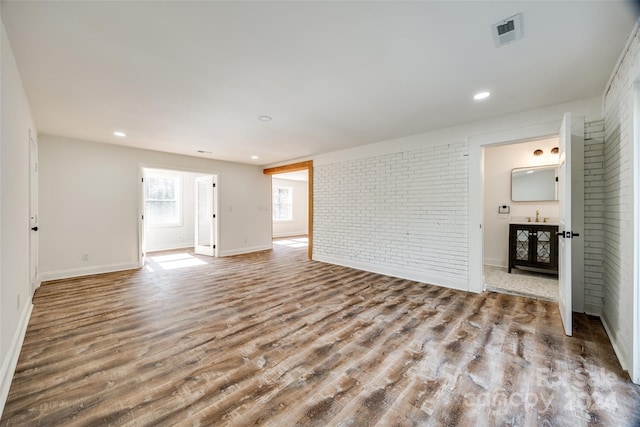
x=171, y=247
x=242, y=251
x=593, y=310
x=290, y=234
x=10, y=363
x=432, y=279
x=87, y=271
x=616, y=347
x=495, y=263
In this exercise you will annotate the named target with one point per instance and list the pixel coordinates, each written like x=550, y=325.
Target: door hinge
x=214, y=185
x=143, y=217
x=214, y=246
x=214, y=215
x=556, y=179
x=142, y=179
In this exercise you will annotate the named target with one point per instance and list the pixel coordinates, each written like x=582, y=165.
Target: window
x=282, y=197
x=163, y=198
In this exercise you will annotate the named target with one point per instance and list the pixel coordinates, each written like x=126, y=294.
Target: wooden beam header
x=289, y=168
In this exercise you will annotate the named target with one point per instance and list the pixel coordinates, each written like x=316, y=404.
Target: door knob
x=34, y=228
x=567, y=234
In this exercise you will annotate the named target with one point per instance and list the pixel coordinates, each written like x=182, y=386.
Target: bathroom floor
x=521, y=282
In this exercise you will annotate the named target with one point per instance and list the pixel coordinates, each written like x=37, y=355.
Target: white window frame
x=178, y=183
x=290, y=217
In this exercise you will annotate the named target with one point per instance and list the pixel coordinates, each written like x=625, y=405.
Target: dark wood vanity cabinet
x=533, y=246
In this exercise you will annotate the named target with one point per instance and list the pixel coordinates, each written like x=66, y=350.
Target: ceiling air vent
x=507, y=31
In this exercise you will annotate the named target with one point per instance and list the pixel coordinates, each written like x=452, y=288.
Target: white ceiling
x=187, y=76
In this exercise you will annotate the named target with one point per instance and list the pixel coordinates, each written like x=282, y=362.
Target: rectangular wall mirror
x=534, y=184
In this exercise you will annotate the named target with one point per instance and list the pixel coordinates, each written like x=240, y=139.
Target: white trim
x=245, y=250
x=171, y=247
x=475, y=253
x=476, y=187
x=432, y=279
x=87, y=271
x=11, y=361
x=614, y=344
x=635, y=361
x=291, y=233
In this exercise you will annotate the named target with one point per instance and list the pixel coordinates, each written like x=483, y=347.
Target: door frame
x=211, y=189
x=141, y=230
x=34, y=281
x=476, y=145
x=635, y=362
x=294, y=167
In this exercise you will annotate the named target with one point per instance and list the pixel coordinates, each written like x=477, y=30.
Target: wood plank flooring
x=275, y=339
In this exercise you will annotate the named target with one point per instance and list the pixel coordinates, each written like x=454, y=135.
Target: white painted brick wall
x=594, y=216
x=618, y=203
x=405, y=211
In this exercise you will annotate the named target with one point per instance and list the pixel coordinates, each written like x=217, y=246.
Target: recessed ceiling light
x=481, y=95
x=264, y=118
x=120, y=134
x=255, y=157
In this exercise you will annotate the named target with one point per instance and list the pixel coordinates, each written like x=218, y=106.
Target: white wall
x=89, y=204
x=619, y=202
x=400, y=207
x=164, y=237
x=299, y=223
x=498, y=162
x=16, y=121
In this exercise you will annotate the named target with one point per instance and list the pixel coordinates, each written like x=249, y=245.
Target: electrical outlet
x=85, y=257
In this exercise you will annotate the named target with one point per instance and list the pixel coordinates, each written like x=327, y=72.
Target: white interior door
x=142, y=225
x=205, y=216
x=565, y=235
x=33, y=214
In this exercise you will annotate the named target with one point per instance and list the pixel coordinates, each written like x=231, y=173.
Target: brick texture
x=618, y=202
x=405, y=211
x=594, y=196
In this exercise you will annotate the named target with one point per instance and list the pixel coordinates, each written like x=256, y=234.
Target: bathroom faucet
x=537, y=216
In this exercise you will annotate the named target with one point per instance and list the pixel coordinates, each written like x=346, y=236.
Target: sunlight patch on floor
x=173, y=261
x=298, y=242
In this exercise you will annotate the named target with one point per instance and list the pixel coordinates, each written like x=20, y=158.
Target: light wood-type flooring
x=274, y=339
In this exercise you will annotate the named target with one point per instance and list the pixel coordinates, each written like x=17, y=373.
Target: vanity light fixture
x=538, y=152
x=481, y=95
x=120, y=134
x=555, y=150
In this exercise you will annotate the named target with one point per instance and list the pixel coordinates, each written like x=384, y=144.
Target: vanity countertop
x=533, y=223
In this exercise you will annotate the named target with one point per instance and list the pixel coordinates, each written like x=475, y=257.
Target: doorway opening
x=178, y=212
x=520, y=200
x=571, y=195
x=290, y=208
x=280, y=203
